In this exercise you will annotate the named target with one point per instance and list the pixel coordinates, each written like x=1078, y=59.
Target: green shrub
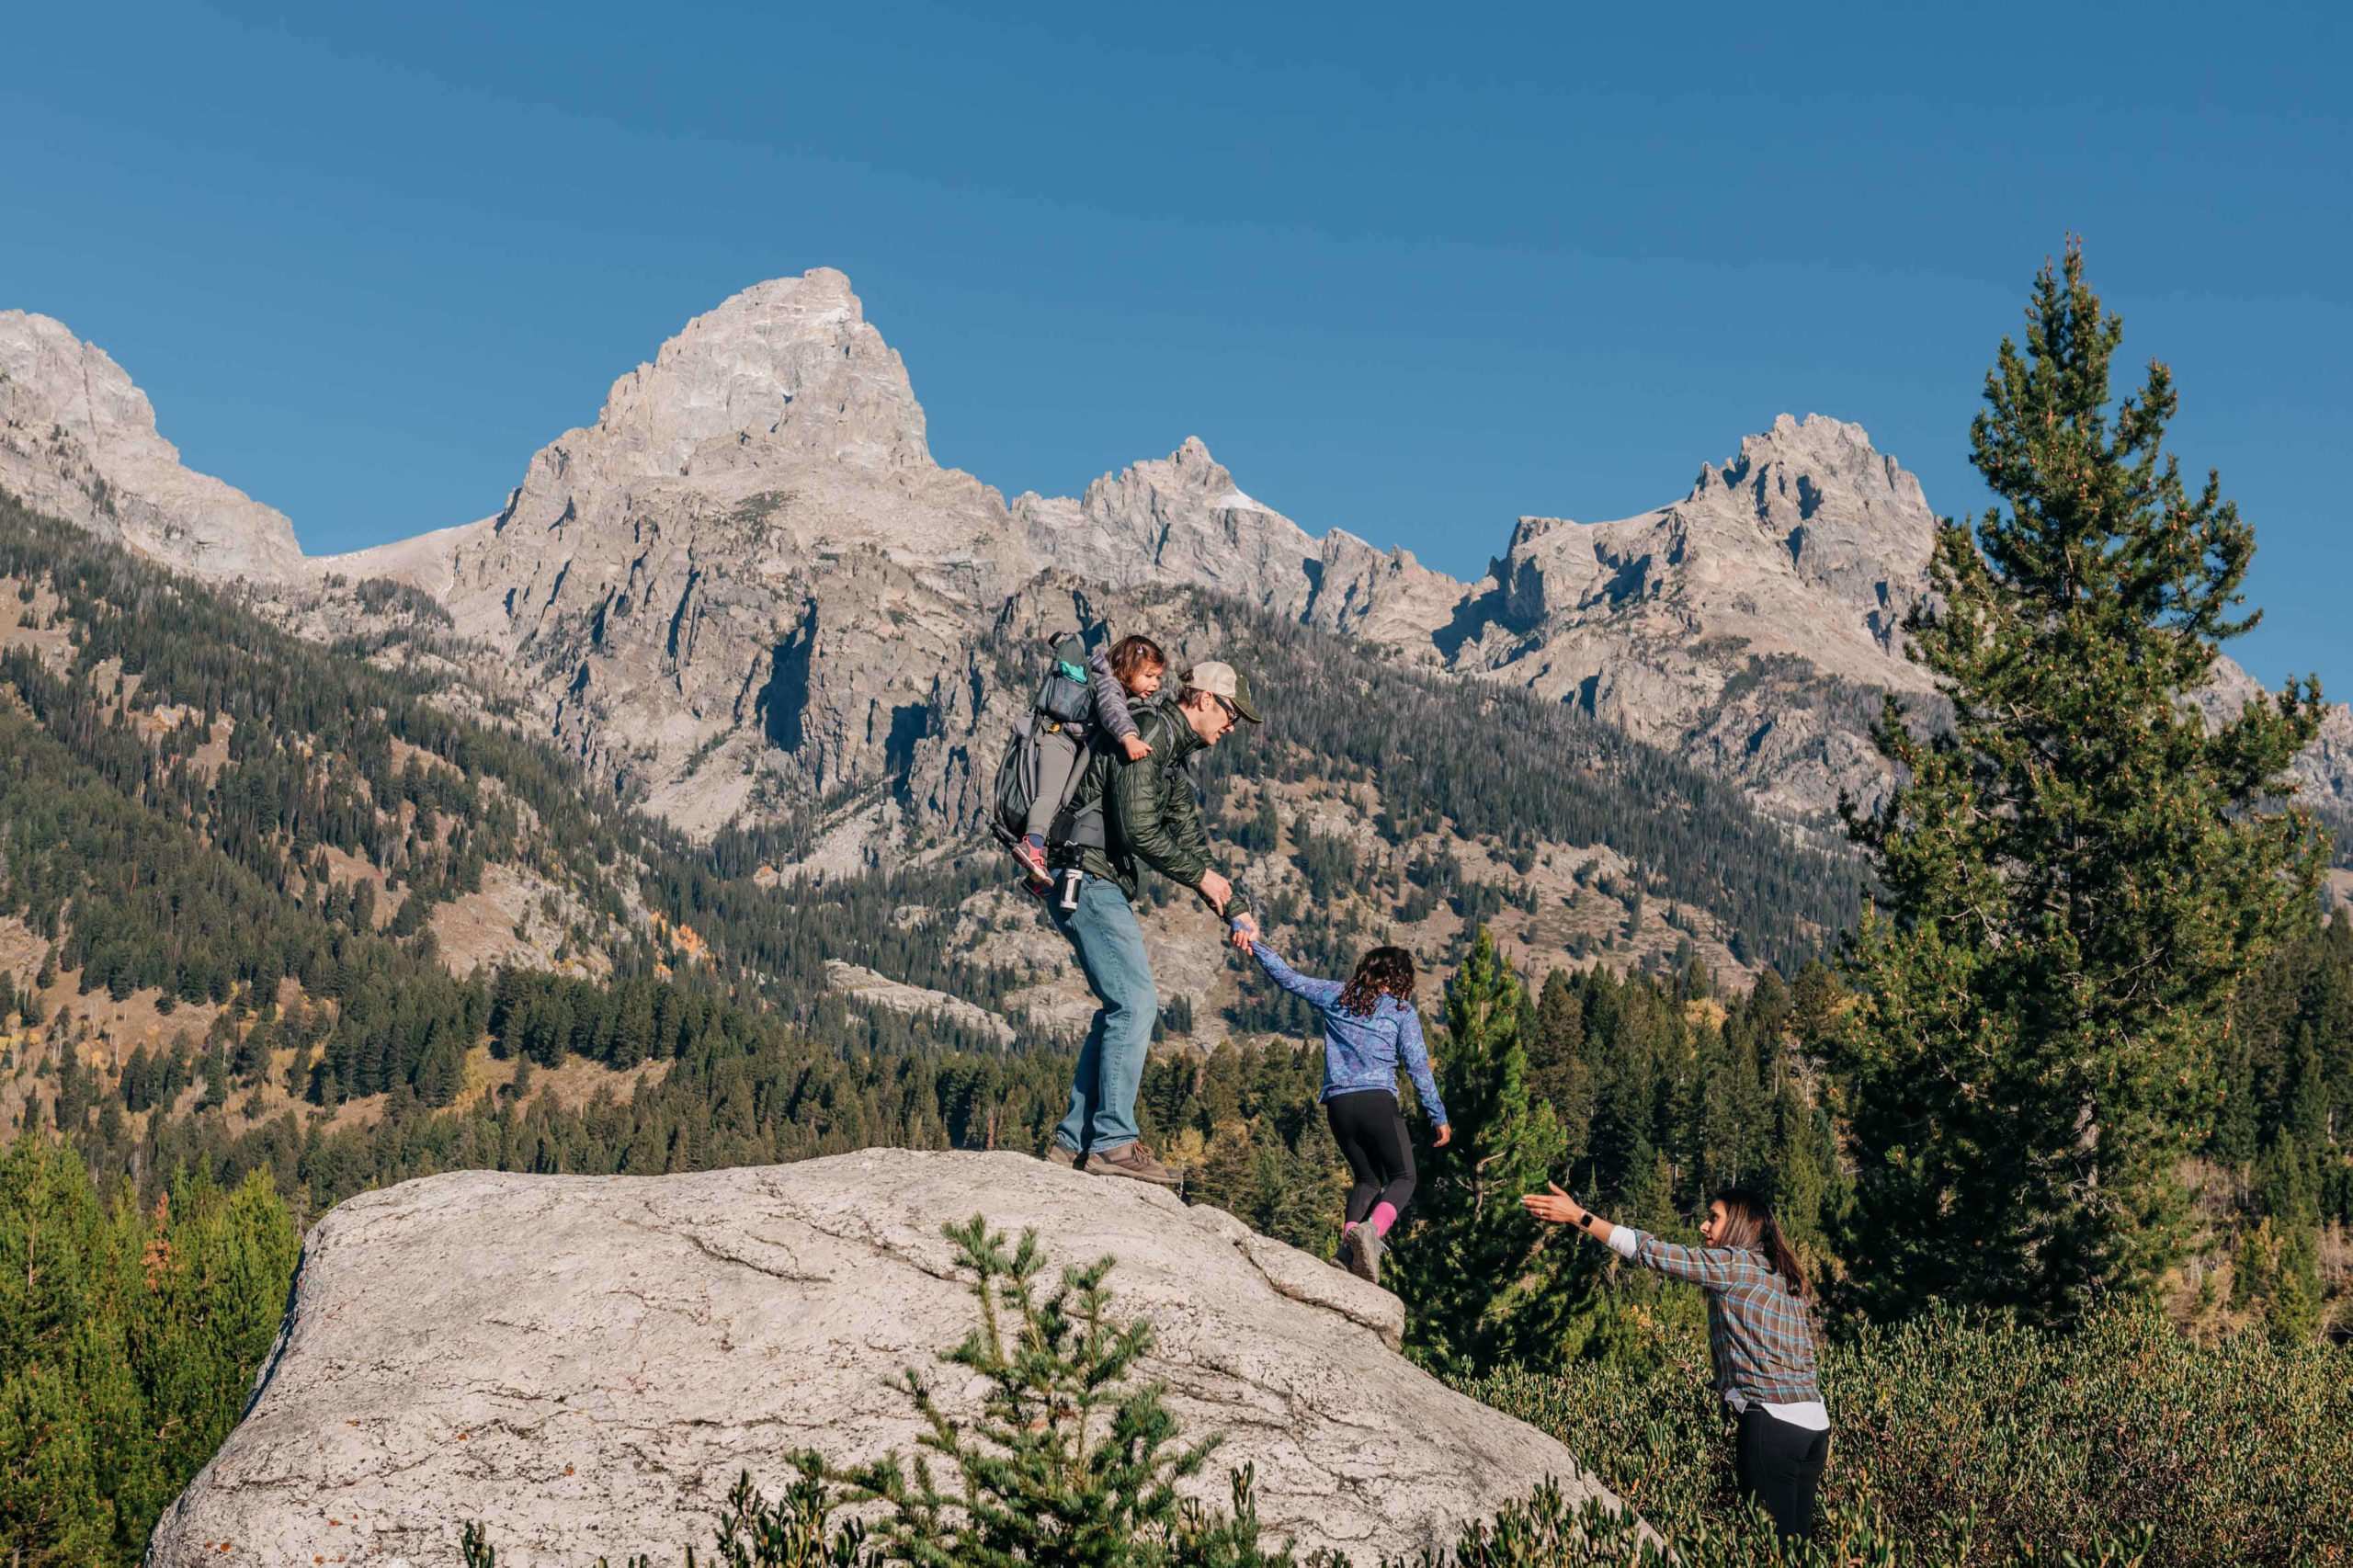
x=1069, y=1462
x=1544, y=1531
x=1963, y=1440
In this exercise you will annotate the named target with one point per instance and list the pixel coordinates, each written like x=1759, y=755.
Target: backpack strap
x=1078, y=827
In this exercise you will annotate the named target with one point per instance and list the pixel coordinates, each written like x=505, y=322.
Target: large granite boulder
x=585, y=1364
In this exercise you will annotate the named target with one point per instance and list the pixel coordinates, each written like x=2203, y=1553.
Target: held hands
x=1557, y=1206
x=1135, y=749
x=1445, y=1135
x=1217, y=890
x=1246, y=931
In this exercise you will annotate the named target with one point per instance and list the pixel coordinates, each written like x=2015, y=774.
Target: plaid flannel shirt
x=1758, y=1334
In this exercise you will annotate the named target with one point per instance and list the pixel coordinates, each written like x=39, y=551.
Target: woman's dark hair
x=1131, y=655
x=1382, y=970
x=1749, y=1222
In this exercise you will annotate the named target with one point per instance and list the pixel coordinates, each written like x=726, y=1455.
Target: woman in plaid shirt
x=1760, y=1336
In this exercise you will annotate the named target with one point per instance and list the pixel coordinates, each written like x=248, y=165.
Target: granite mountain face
x=1735, y=626
x=751, y=555
x=748, y=590
x=78, y=441
x=748, y=586
x=1181, y=520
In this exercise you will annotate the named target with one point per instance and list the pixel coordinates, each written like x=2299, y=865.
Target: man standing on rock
x=1124, y=812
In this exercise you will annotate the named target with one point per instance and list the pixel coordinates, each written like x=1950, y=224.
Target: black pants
x=1371, y=1131
x=1779, y=1464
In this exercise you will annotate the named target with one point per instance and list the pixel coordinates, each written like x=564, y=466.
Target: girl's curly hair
x=1382, y=970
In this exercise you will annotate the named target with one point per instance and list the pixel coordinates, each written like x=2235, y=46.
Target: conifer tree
x=2078, y=874
x=1558, y=1072
x=1073, y=1459
x=1475, y=1274
x=2288, y=1237
x=128, y=1342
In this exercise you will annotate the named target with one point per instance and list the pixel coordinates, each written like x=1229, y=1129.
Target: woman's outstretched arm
x=1560, y=1208
x=1710, y=1267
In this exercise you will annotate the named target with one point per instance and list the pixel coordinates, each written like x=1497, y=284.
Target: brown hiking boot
x=1060, y=1153
x=1131, y=1160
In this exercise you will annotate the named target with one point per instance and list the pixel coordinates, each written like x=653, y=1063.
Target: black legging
x=1779, y=1463
x=1371, y=1131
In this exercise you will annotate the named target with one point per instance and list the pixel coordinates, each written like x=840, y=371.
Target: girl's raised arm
x=1321, y=993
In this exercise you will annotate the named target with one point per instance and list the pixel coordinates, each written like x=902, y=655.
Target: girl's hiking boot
x=1031, y=853
x=1364, y=1255
x=1131, y=1160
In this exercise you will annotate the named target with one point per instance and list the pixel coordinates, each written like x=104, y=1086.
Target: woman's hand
x=1556, y=1206
x=1445, y=1135
x=1135, y=749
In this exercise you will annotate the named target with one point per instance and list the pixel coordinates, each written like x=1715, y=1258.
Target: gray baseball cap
x=1223, y=680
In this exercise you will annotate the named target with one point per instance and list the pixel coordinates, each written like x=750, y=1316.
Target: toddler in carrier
x=1369, y=1026
x=1129, y=670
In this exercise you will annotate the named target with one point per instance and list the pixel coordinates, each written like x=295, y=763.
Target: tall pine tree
x=2078, y=874
x=1476, y=1274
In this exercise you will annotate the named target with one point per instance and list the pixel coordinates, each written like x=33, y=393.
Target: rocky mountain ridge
x=749, y=590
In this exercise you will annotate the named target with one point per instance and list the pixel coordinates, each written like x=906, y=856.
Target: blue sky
x=1409, y=273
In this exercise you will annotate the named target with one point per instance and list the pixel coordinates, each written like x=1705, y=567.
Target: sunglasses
x=1232, y=714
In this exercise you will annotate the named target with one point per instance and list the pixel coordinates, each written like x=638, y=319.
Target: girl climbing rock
x=1370, y=1026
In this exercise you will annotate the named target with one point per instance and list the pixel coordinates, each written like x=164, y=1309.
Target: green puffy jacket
x=1152, y=812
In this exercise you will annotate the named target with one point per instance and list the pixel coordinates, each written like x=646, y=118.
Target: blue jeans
x=1110, y=1065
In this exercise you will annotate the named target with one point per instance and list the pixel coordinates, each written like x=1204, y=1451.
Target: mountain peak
x=1820, y=450
x=1180, y=518
x=78, y=441
x=1808, y=545
x=790, y=367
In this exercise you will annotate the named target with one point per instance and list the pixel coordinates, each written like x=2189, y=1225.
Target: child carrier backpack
x=1061, y=700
